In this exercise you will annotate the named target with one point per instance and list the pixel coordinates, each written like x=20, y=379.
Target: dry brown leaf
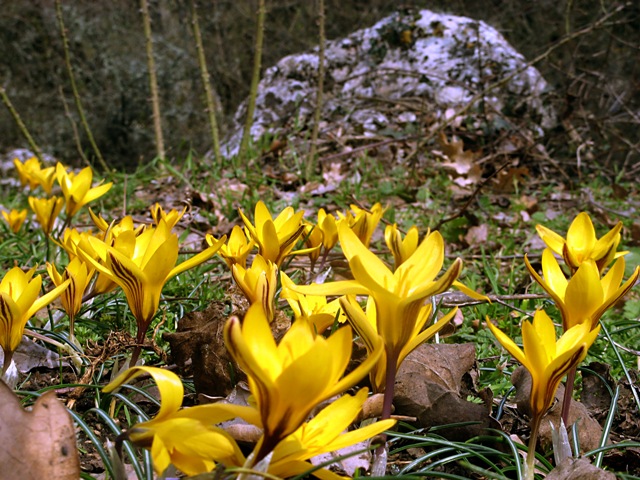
x=37, y=444
x=432, y=385
x=589, y=431
x=578, y=469
x=477, y=235
x=461, y=163
x=507, y=179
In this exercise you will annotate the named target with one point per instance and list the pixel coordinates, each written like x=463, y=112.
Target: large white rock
x=440, y=61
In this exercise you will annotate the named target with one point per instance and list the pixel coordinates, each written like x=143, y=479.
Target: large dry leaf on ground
x=461, y=163
x=578, y=469
x=589, y=431
x=433, y=384
x=198, y=348
x=38, y=444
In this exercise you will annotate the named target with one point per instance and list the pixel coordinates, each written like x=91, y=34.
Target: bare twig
x=311, y=161
x=563, y=41
x=21, y=126
x=255, y=78
x=471, y=198
x=206, y=83
x=153, y=81
x=74, y=88
x=74, y=128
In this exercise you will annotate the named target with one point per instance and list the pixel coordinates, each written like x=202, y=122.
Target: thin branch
x=21, y=126
x=255, y=78
x=311, y=160
x=206, y=83
x=74, y=88
x=74, y=128
x=153, y=81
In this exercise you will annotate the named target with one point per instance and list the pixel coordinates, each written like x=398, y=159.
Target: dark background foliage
x=597, y=76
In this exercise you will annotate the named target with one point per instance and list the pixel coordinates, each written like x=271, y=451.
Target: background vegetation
x=596, y=75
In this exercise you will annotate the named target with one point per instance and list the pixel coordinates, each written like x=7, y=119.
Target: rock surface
x=426, y=64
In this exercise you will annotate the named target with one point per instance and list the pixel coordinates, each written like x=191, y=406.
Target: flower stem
x=568, y=395
x=8, y=356
x=387, y=404
x=531, y=451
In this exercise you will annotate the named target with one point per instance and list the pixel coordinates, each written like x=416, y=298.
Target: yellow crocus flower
x=258, y=283
x=324, y=433
x=313, y=309
x=15, y=219
x=188, y=437
x=237, y=248
x=275, y=237
x=585, y=296
x=363, y=222
x=142, y=267
x=582, y=244
x=19, y=301
x=77, y=189
x=289, y=379
x=328, y=226
x=78, y=274
x=547, y=360
x=401, y=248
x=366, y=325
x=399, y=296
x=31, y=173
x=172, y=217
x=25, y=171
x=46, y=210
x=313, y=239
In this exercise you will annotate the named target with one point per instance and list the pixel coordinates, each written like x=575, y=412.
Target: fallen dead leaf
x=460, y=163
x=477, y=235
x=433, y=383
x=37, y=444
x=578, y=469
x=589, y=431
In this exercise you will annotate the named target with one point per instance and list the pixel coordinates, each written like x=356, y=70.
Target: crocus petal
x=554, y=241
x=426, y=261
x=581, y=238
x=46, y=299
x=427, y=334
x=353, y=247
x=584, y=294
x=507, y=343
x=169, y=386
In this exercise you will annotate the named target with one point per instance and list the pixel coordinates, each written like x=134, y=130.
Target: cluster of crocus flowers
x=33, y=175
x=399, y=308
x=588, y=292
x=19, y=300
x=287, y=381
x=582, y=298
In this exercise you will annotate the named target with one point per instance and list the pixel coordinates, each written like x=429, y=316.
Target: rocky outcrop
x=430, y=64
